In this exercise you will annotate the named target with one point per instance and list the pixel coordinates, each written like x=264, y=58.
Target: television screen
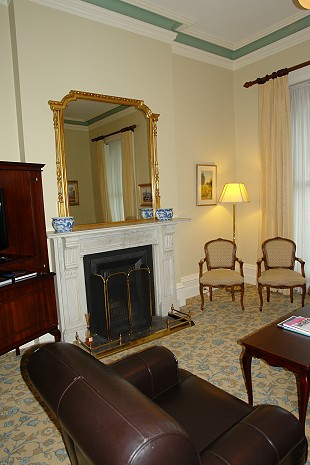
x=4, y=243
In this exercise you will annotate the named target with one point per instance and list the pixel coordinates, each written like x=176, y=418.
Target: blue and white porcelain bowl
x=164, y=214
x=147, y=213
x=63, y=224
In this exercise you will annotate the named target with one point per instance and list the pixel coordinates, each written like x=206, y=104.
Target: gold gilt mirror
x=106, y=157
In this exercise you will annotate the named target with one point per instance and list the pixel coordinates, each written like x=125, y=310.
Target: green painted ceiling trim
x=118, y=6
x=111, y=112
x=76, y=123
x=273, y=37
x=200, y=44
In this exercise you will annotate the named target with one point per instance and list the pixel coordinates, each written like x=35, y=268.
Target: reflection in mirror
x=105, y=151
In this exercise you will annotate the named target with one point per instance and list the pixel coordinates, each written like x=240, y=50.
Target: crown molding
x=200, y=55
x=227, y=63
x=110, y=18
x=184, y=21
x=276, y=47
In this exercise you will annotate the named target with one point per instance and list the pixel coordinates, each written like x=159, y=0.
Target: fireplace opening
x=119, y=291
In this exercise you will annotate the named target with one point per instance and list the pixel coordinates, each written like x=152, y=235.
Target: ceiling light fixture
x=305, y=4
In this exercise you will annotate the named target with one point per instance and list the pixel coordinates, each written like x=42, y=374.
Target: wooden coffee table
x=280, y=348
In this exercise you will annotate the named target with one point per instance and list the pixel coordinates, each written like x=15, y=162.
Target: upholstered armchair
x=279, y=262
x=220, y=259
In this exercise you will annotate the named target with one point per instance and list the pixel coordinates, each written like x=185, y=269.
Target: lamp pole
x=234, y=222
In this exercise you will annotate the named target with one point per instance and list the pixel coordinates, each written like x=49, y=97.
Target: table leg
x=303, y=381
x=246, y=361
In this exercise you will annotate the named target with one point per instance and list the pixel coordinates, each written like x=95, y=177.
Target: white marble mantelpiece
x=68, y=249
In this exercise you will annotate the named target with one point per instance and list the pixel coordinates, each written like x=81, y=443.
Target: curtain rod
x=276, y=74
x=129, y=128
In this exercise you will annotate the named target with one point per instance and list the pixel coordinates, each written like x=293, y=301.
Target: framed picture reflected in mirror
x=145, y=195
x=73, y=193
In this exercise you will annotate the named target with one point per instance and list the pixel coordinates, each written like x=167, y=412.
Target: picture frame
x=73, y=193
x=145, y=195
x=206, y=185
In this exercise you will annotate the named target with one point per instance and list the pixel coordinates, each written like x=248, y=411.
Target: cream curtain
x=276, y=193
x=128, y=175
x=105, y=212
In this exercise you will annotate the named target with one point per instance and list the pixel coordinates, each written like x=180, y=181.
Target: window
x=300, y=122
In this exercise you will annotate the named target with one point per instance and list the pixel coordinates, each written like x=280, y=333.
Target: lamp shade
x=305, y=4
x=234, y=192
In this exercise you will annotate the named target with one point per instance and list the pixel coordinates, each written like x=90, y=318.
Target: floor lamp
x=234, y=192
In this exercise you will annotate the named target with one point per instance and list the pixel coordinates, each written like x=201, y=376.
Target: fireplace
x=67, y=253
x=119, y=291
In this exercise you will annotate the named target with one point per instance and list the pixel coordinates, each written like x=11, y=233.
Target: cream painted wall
x=8, y=121
x=204, y=118
x=247, y=156
x=205, y=113
x=77, y=143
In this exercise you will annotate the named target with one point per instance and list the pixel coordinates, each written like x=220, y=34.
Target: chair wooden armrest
x=201, y=262
x=240, y=265
x=259, y=267
x=302, y=265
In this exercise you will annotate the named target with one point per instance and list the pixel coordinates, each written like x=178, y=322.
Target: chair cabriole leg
x=201, y=296
x=260, y=293
x=241, y=295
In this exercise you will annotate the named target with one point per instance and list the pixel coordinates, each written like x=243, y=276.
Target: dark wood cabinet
x=27, y=308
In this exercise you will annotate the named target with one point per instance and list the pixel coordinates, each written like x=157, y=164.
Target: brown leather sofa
x=145, y=410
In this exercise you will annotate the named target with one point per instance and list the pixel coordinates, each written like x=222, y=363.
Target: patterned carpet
x=29, y=436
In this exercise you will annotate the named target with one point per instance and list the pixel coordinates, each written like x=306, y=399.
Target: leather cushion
x=204, y=410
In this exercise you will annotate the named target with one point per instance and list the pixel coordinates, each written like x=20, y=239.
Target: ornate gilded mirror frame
x=58, y=118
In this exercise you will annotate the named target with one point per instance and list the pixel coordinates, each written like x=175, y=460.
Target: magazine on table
x=299, y=324
x=15, y=276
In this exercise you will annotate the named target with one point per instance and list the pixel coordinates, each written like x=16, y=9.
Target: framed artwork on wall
x=206, y=184
x=73, y=193
x=145, y=195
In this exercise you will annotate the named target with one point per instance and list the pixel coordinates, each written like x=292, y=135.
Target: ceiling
x=230, y=29
x=230, y=23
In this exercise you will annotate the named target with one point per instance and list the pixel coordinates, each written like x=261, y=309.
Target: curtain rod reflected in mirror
x=81, y=117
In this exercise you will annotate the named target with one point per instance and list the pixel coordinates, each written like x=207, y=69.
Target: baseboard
x=250, y=273
x=189, y=285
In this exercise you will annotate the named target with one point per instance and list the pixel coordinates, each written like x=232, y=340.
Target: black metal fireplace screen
x=120, y=292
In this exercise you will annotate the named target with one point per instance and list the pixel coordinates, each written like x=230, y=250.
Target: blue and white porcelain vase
x=147, y=213
x=164, y=214
x=63, y=224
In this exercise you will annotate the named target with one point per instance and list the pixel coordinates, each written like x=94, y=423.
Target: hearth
x=161, y=326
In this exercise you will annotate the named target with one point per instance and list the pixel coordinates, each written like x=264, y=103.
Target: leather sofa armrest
x=104, y=418
x=153, y=371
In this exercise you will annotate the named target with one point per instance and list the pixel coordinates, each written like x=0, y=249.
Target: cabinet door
x=27, y=310
x=25, y=218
